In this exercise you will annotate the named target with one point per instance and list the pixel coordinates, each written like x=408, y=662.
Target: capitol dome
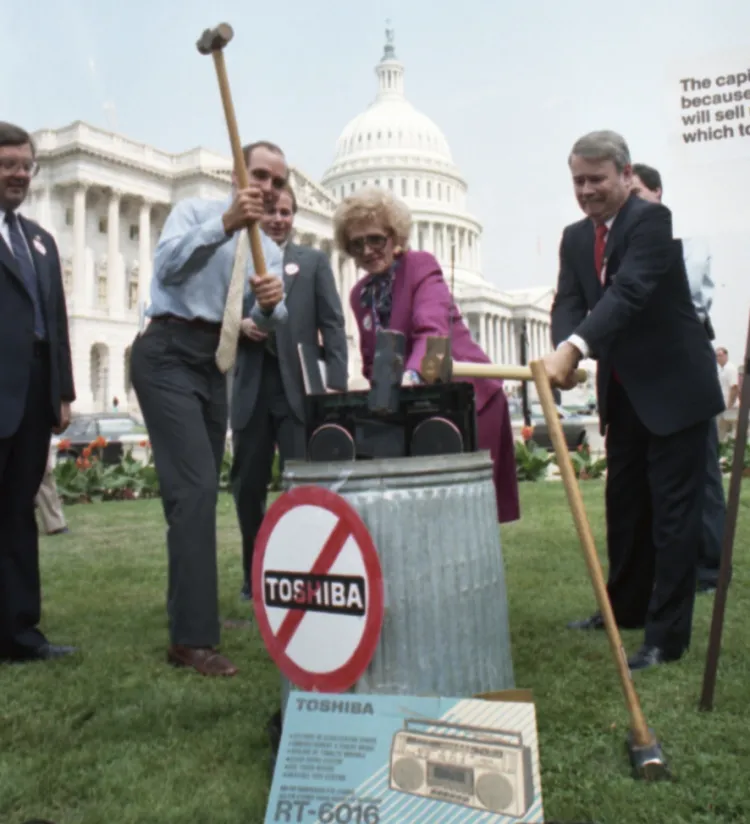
x=393, y=145
x=391, y=132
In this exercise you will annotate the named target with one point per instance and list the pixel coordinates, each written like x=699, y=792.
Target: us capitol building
x=105, y=198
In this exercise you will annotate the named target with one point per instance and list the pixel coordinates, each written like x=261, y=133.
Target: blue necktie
x=28, y=272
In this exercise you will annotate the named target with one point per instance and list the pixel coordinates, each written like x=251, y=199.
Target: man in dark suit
x=623, y=298
x=647, y=184
x=36, y=390
x=267, y=407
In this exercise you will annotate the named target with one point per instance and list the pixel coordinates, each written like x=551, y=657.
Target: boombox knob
x=436, y=436
x=331, y=442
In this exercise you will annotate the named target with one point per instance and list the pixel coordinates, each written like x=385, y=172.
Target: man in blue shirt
x=182, y=391
x=647, y=184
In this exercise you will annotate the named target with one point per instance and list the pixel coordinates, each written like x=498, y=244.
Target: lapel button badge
x=291, y=269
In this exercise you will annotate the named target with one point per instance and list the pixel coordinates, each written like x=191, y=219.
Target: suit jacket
x=17, y=329
x=422, y=306
x=313, y=304
x=642, y=323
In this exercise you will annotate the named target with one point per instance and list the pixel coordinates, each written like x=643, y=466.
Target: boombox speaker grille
x=495, y=792
x=408, y=774
x=436, y=436
x=331, y=442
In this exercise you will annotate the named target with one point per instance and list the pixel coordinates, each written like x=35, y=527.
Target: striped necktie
x=26, y=266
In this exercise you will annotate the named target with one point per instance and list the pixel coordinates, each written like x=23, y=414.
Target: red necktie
x=600, y=242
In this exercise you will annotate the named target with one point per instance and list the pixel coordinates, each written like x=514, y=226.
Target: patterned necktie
x=600, y=243
x=226, y=352
x=28, y=272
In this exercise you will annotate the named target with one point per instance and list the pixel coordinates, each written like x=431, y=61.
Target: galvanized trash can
x=434, y=524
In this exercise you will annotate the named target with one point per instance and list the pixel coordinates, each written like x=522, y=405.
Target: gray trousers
x=272, y=424
x=714, y=513
x=183, y=399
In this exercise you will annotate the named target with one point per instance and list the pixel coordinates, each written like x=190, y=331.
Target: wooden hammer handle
x=500, y=372
x=641, y=733
x=240, y=165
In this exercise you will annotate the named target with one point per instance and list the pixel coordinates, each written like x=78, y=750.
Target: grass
x=119, y=737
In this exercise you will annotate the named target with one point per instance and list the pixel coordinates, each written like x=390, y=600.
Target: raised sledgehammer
x=213, y=42
x=644, y=750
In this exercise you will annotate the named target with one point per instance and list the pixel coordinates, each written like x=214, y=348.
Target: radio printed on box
x=485, y=769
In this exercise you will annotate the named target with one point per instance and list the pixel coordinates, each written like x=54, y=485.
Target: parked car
x=120, y=431
x=574, y=426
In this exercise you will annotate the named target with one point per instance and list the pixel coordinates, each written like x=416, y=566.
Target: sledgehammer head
x=648, y=762
x=437, y=363
x=387, y=372
x=215, y=39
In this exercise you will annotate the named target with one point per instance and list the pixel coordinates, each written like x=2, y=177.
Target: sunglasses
x=357, y=246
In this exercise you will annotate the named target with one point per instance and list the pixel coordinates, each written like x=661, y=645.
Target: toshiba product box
x=393, y=759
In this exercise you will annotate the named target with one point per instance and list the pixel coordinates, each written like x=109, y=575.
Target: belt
x=198, y=323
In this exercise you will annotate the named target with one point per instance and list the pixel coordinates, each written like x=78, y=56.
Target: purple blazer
x=422, y=306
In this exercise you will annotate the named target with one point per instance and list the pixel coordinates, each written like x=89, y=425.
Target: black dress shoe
x=705, y=588
x=245, y=594
x=46, y=652
x=593, y=622
x=649, y=656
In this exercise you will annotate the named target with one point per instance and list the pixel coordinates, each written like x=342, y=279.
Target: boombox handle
x=486, y=732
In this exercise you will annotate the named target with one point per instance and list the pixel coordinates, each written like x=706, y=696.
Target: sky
x=511, y=84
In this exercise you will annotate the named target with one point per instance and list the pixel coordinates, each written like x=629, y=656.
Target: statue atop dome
x=389, y=52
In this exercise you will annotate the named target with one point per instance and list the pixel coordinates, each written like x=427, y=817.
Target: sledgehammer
x=644, y=750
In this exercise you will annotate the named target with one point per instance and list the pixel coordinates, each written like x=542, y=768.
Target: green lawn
x=118, y=737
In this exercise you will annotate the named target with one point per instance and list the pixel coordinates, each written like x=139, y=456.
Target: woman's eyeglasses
x=357, y=246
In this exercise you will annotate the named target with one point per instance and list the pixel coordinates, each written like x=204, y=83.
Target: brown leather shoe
x=205, y=660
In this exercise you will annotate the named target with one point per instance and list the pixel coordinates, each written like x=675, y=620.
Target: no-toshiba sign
x=318, y=589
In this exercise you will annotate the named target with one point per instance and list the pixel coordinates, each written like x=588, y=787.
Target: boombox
x=430, y=420
x=485, y=769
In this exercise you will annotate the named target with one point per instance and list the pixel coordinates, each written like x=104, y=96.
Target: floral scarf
x=376, y=297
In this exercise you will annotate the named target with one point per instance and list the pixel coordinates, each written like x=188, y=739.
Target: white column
x=81, y=292
x=43, y=210
x=116, y=285
x=144, y=253
x=431, y=238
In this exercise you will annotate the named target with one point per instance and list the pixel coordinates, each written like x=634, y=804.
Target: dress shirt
x=697, y=257
x=193, y=264
x=5, y=232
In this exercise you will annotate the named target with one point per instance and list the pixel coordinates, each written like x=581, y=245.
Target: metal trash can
x=434, y=523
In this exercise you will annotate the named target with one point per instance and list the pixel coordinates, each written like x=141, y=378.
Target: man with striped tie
x=36, y=391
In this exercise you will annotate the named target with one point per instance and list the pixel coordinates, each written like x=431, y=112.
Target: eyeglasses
x=357, y=246
x=9, y=165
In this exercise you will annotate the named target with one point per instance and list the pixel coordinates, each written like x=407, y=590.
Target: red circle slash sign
x=318, y=589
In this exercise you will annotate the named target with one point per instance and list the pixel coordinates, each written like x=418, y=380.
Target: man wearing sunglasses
x=268, y=408
x=36, y=390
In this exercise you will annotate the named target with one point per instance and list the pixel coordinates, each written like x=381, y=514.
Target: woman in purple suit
x=405, y=291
